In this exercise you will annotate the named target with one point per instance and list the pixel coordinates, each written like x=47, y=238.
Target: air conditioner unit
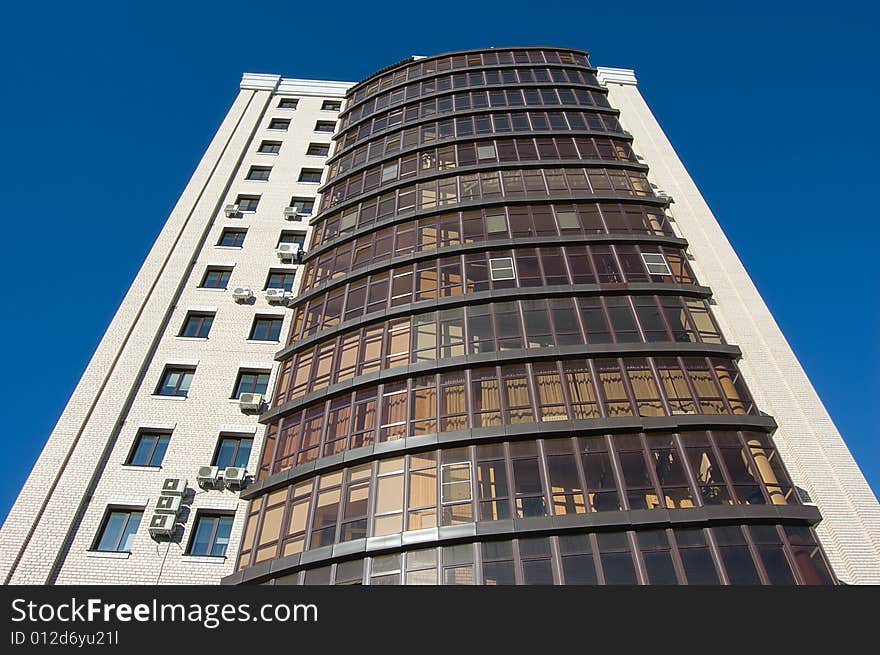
x=662, y=195
x=288, y=251
x=278, y=295
x=167, y=505
x=231, y=210
x=208, y=477
x=242, y=293
x=804, y=496
x=174, y=487
x=162, y=525
x=235, y=477
x=250, y=401
x=291, y=214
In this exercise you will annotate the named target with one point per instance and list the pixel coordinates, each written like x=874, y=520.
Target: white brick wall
x=114, y=398
x=811, y=446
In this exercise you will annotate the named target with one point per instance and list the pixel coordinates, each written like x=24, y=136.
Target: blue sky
x=107, y=108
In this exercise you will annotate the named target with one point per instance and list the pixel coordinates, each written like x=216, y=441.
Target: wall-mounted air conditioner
x=235, y=477
x=174, y=487
x=162, y=525
x=250, y=401
x=208, y=477
x=242, y=293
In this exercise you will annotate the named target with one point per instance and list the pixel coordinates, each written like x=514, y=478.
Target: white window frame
x=443, y=485
x=495, y=268
x=650, y=264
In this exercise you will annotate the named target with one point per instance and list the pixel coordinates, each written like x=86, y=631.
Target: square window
x=232, y=451
x=118, y=530
x=260, y=173
x=175, y=382
x=266, y=328
x=303, y=205
x=149, y=449
x=281, y=280
x=247, y=203
x=310, y=175
x=288, y=103
x=279, y=124
x=325, y=126
x=270, y=147
x=232, y=238
x=211, y=535
x=251, y=382
x=216, y=278
x=318, y=149
x=293, y=237
x=486, y=151
x=455, y=483
x=501, y=268
x=331, y=105
x=567, y=219
x=496, y=223
x=389, y=172
x=197, y=325
x=656, y=263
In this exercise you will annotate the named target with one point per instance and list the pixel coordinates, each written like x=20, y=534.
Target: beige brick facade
x=50, y=531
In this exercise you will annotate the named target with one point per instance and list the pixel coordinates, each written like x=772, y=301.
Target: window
x=485, y=152
x=233, y=451
x=288, y=103
x=266, y=328
x=197, y=325
x=455, y=485
x=279, y=124
x=251, y=382
x=303, y=205
x=318, y=149
x=270, y=147
x=325, y=126
x=656, y=263
x=502, y=268
x=331, y=105
x=149, y=449
x=247, y=203
x=292, y=237
x=216, y=278
x=281, y=280
x=260, y=173
x=310, y=175
x=211, y=535
x=232, y=238
x=175, y=382
x=118, y=530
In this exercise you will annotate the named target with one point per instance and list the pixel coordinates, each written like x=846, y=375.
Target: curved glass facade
x=501, y=367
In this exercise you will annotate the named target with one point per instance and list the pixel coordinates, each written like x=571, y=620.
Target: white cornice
x=259, y=81
x=616, y=75
x=292, y=86
x=313, y=87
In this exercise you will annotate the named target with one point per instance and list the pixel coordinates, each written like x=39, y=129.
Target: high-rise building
x=505, y=341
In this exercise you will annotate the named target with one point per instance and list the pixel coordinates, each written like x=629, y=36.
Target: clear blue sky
x=107, y=108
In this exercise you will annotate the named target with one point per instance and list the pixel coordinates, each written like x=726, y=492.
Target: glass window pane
x=112, y=530
x=659, y=566
x=698, y=566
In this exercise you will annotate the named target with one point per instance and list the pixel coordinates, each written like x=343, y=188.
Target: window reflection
x=499, y=481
